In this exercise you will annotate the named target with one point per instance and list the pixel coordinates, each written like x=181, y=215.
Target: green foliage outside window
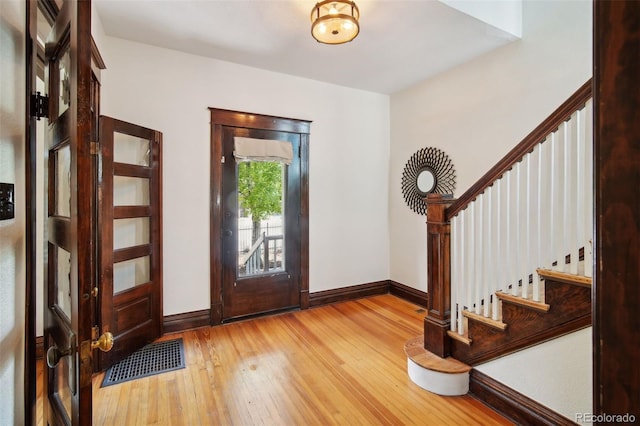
x=260, y=191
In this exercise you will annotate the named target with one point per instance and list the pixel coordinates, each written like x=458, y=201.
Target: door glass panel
x=130, y=232
x=130, y=191
x=130, y=149
x=130, y=273
x=261, y=213
x=61, y=379
x=63, y=294
x=64, y=65
x=63, y=181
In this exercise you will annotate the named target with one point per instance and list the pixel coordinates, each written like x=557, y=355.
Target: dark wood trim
x=231, y=118
x=538, y=135
x=304, y=220
x=512, y=404
x=219, y=119
x=186, y=321
x=410, y=294
x=96, y=56
x=31, y=195
x=343, y=294
x=438, y=319
x=616, y=324
x=190, y=320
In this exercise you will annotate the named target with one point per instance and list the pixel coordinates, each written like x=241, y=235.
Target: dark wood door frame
x=616, y=287
x=219, y=118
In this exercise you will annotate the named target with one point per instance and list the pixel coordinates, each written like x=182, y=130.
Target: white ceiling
x=400, y=42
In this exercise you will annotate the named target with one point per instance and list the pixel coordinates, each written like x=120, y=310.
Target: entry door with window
x=259, y=226
x=131, y=237
x=71, y=226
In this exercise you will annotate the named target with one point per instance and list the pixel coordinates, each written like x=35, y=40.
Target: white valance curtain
x=250, y=149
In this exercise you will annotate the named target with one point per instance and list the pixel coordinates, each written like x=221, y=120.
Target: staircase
x=524, y=322
x=510, y=261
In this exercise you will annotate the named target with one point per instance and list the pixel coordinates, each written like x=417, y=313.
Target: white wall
x=349, y=150
x=478, y=111
x=557, y=374
x=12, y=238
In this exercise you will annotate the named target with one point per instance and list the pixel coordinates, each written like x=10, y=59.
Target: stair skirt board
x=446, y=384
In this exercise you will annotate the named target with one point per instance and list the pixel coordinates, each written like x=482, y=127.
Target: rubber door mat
x=155, y=358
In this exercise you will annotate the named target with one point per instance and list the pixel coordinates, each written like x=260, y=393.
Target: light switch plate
x=7, y=201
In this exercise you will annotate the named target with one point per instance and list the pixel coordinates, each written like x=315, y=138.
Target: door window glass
x=63, y=294
x=130, y=149
x=63, y=181
x=261, y=213
x=130, y=232
x=64, y=64
x=62, y=376
x=131, y=273
x=130, y=191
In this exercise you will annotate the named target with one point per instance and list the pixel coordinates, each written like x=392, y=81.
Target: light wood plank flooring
x=341, y=364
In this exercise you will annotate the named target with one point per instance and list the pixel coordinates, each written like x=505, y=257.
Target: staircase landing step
x=415, y=351
x=538, y=306
x=564, y=277
x=488, y=321
x=442, y=376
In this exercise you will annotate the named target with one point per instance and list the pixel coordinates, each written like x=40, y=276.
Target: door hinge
x=96, y=148
x=222, y=159
x=39, y=106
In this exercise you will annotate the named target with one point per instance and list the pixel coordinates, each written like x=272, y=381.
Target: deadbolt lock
x=104, y=342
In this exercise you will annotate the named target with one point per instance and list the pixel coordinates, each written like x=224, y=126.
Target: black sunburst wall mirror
x=428, y=171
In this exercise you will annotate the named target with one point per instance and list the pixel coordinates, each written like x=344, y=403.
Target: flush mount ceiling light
x=335, y=21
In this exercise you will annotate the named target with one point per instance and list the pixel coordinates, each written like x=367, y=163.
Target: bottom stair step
x=442, y=376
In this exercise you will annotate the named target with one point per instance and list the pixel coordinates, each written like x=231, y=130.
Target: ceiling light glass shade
x=335, y=21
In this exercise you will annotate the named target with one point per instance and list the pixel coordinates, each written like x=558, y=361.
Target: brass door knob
x=104, y=342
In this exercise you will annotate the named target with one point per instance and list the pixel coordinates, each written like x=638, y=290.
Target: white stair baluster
x=558, y=200
x=571, y=247
x=487, y=238
x=588, y=183
x=534, y=259
x=512, y=229
x=454, y=281
x=464, y=264
x=581, y=163
x=471, y=258
x=479, y=254
x=497, y=248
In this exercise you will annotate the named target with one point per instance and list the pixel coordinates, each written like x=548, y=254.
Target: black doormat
x=155, y=358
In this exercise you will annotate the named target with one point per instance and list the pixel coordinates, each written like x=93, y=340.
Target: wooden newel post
x=438, y=318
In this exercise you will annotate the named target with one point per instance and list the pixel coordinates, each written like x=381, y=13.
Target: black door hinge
x=39, y=106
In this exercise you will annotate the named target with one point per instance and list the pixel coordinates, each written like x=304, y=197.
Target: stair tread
x=414, y=349
x=488, y=321
x=464, y=339
x=538, y=306
x=580, y=280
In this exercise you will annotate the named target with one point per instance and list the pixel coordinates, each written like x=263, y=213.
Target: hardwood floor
x=339, y=364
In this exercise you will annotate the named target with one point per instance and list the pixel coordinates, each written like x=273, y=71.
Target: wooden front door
x=131, y=237
x=71, y=225
x=259, y=253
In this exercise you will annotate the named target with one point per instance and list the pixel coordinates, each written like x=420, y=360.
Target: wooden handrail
x=564, y=111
